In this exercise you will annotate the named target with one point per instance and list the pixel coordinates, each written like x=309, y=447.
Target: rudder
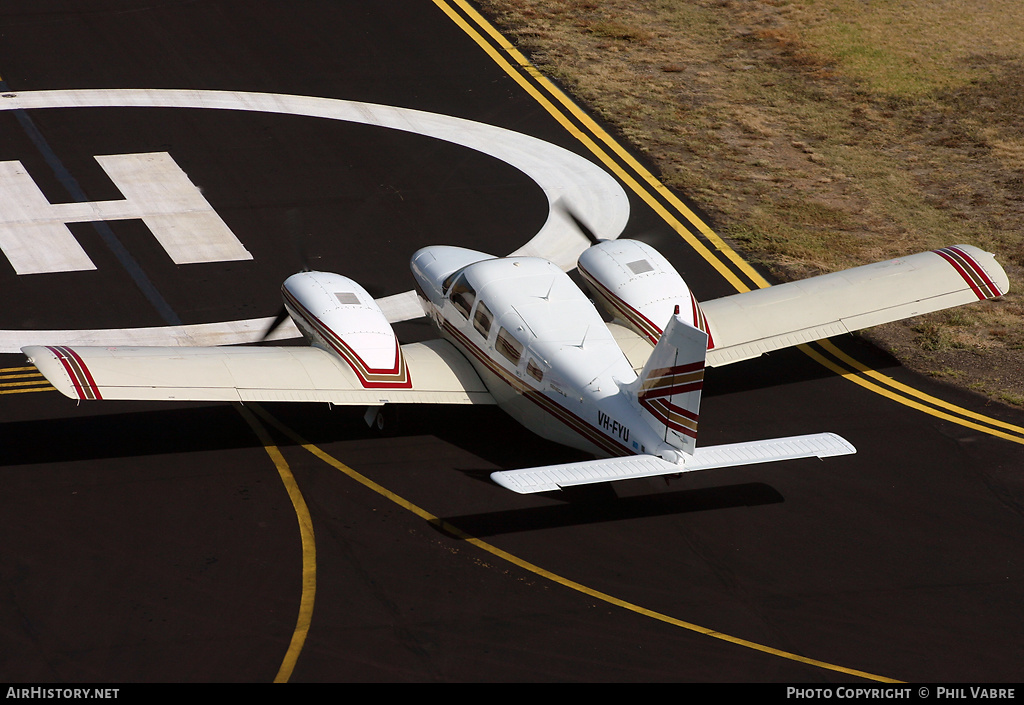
x=669, y=387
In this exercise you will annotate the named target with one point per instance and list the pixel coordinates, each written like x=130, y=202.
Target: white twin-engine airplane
x=517, y=332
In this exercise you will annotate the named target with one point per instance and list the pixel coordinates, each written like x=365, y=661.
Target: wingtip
x=514, y=481
x=32, y=351
x=48, y=363
x=841, y=446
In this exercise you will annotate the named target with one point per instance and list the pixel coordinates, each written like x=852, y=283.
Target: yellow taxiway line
x=308, y=594
x=458, y=533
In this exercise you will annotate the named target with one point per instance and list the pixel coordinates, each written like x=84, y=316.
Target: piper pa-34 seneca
x=517, y=332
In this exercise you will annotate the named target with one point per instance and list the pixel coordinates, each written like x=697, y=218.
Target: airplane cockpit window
x=448, y=281
x=508, y=346
x=462, y=296
x=482, y=319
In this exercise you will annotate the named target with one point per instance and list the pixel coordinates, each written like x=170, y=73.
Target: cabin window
x=482, y=319
x=534, y=370
x=510, y=348
x=462, y=296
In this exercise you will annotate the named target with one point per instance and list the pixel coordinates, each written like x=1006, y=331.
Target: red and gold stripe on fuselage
x=589, y=432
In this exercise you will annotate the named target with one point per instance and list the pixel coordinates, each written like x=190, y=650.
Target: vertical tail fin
x=668, y=389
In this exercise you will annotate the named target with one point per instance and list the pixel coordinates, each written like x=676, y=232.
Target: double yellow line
x=698, y=234
x=18, y=380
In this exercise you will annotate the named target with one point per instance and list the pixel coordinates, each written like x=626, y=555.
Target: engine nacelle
x=638, y=287
x=336, y=314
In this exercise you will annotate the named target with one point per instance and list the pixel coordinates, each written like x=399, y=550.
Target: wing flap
x=440, y=374
x=554, y=477
x=636, y=348
x=754, y=322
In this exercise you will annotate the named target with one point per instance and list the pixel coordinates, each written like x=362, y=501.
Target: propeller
x=585, y=229
x=280, y=318
x=297, y=237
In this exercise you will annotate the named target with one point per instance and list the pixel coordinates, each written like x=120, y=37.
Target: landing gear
x=374, y=417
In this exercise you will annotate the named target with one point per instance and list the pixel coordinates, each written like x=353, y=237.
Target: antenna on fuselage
x=584, y=340
x=523, y=320
x=297, y=237
x=551, y=286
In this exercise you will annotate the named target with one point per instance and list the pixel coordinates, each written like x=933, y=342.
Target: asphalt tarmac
x=149, y=542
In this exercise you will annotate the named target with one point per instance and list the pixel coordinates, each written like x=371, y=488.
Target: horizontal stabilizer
x=554, y=477
x=815, y=445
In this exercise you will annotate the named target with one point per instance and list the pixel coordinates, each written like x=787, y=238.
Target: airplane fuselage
x=539, y=345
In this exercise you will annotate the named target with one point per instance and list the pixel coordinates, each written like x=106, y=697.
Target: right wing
x=439, y=373
x=754, y=322
x=751, y=323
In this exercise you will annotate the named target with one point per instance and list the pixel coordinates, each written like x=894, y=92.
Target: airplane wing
x=439, y=373
x=754, y=322
x=555, y=477
x=751, y=323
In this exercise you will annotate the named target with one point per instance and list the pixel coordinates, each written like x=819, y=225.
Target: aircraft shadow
x=789, y=366
x=114, y=429
x=127, y=432
x=486, y=432
x=600, y=504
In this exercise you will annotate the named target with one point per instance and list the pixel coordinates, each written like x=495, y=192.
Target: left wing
x=439, y=373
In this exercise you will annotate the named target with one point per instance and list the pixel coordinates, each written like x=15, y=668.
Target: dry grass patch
x=822, y=135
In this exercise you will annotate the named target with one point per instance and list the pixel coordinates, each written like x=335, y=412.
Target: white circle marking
x=561, y=174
